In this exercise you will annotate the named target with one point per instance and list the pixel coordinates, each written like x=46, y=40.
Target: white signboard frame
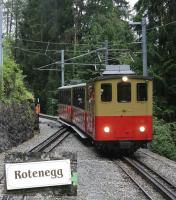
x=37, y=174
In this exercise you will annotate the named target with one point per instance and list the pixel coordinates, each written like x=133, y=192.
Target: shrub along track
x=159, y=183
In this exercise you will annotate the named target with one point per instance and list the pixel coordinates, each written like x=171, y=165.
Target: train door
x=90, y=109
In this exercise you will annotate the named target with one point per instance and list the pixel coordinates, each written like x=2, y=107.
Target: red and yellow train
x=115, y=111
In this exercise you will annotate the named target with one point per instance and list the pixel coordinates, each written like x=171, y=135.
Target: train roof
x=73, y=86
x=99, y=78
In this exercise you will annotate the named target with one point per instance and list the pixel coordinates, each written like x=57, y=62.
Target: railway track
x=154, y=157
x=53, y=141
x=159, y=183
x=1, y=179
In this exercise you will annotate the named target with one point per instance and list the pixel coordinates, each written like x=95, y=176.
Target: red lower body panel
x=123, y=128
x=79, y=118
x=65, y=112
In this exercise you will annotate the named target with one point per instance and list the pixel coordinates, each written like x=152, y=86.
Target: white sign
x=38, y=174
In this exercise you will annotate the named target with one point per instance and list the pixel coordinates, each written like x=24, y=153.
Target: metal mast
x=62, y=67
x=1, y=47
x=144, y=46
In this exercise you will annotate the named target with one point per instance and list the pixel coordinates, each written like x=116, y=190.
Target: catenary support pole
x=62, y=67
x=144, y=43
x=144, y=46
x=106, y=52
x=1, y=47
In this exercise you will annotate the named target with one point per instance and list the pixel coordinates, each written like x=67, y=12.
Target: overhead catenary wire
x=76, y=57
x=28, y=50
x=82, y=55
x=49, y=50
x=173, y=22
x=77, y=44
x=82, y=64
x=54, y=43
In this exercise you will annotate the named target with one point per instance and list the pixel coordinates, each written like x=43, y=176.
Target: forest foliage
x=48, y=26
x=40, y=29
x=14, y=89
x=161, y=30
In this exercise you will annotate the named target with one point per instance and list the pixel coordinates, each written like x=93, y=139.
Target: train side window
x=106, y=92
x=142, y=92
x=124, y=92
x=60, y=96
x=79, y=97
x=65, y=96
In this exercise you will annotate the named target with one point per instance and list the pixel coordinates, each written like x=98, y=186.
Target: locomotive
x=113, y=110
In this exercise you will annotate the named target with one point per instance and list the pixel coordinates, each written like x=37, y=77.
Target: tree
x=71, y=24
x=162, y=52
x=14, y=86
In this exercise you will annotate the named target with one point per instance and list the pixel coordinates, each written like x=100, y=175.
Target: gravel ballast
x=98, y=177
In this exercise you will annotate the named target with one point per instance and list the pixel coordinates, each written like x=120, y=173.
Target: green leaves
x=14, y=87
x=164, y=141
x=161, y=33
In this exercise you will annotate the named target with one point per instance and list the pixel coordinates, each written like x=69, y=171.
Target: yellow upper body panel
x=115, y=108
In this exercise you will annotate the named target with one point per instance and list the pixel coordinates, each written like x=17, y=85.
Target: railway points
x=53, y=141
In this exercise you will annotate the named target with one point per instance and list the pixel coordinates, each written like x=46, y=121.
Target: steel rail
x=53, y=145
x=167, y=193
x=1, y=179
x=138, y=185
x=156, y=158
x=53, y=138
x=157, y=174
x=6, y=197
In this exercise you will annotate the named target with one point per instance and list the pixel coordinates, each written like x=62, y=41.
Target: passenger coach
x=113, y=110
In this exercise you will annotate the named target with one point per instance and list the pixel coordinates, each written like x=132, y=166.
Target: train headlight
x=125, y=78
x=142, y=129
x=106, y=129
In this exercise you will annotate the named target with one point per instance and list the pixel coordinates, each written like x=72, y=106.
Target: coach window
x=60, y=97
x=106, y=92
x=79, y=97
x=124, y=92
x=67, y=97
x=141, y=92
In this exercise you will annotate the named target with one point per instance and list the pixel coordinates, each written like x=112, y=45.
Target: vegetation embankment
x=164, y=141
x=17, y=118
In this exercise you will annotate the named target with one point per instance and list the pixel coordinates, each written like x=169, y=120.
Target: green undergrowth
x=13, y=88
x=164, y=141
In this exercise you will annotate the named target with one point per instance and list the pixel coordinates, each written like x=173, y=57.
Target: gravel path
x=98, y=177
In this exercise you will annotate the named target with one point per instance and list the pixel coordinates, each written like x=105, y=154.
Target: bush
x=164, y=141
x=14, y=88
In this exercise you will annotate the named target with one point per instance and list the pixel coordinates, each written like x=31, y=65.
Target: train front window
x=106, y=92
x=124, y=92
x=141, y=92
